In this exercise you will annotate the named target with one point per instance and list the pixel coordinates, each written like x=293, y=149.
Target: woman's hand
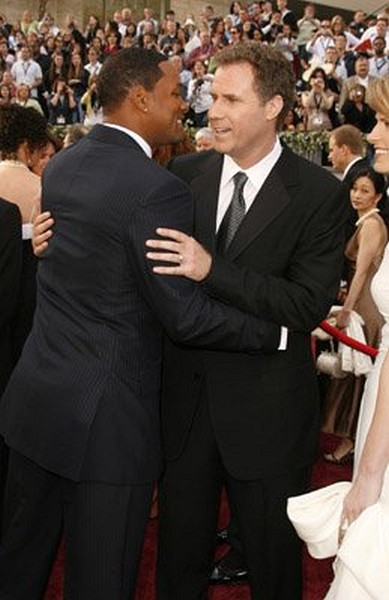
x=365, y=492
x=343, y=318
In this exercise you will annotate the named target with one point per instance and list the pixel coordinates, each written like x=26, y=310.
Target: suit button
x=196, y=376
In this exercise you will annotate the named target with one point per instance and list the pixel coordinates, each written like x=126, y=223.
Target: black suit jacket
x=284, y=263
x=83, y=399
x=10, y=268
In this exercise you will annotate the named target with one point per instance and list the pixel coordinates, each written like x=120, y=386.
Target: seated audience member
x=199, y=94
x=6, y=97
x=204, y=139
x=361, y=77
x=58, y=68
x=317, y=101
x=90, y=104
x=338, y=26
x=356, y=111
x=24, y=99
x=379, y=62
x=321, y=39
x=62, y=105
x=74, y=133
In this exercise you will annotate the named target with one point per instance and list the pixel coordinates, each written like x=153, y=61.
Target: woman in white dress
x=356, y=515
x=362, y=564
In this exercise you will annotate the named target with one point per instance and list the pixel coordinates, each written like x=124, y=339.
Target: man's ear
x=140, y=97
x=273, y=107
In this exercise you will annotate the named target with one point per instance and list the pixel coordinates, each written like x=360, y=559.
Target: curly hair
x=125, y=69
x=19, y=125
x=273, y=74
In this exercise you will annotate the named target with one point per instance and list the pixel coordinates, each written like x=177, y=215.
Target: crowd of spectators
x=53, y=67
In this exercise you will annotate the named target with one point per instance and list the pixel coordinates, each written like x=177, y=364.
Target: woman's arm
x=367, y=486
x=369, y=247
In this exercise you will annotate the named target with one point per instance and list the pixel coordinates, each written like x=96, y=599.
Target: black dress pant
x=102, y=524
x=189, y=497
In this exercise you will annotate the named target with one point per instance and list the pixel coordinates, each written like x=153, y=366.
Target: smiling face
x=363, y=195
x=166, y=108
x=379, y=137
x=244, y=126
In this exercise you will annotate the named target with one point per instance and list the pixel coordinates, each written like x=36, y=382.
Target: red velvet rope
x=345, y=339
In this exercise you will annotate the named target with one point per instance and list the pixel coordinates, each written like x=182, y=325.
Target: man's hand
x=42, y=232
x=189, y=257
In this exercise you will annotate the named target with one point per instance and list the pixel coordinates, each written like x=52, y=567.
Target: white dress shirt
x=257, y=175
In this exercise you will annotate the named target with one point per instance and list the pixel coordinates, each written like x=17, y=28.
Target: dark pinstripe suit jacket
x=83, y=400
x=10, y=266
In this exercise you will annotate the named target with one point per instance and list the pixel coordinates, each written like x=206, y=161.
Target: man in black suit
x=10, y=268
x=80, y=413
x=249, y=421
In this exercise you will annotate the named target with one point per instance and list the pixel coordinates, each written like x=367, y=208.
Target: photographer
x=62, y=104
x=199, y=96
x=356, y=111
x=317, y=102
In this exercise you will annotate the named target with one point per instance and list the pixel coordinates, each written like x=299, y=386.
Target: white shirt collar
x=350, y=165
x=257, y=173
x=135, y=136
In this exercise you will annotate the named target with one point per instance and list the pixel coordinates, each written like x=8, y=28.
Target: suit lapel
x=205, y=190
x=271, y=200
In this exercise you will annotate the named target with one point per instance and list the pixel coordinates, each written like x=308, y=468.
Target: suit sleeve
x=187, y=313
x=10, y=259
x=300, y=298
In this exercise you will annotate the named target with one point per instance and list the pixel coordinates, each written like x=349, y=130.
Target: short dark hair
x=377, y=179
x=18, y=125
x=272, y=72
x=126, y=69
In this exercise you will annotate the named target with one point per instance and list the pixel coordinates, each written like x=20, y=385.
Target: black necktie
x=234, y=215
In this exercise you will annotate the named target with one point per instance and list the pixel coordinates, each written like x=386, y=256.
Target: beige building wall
x=104, y=9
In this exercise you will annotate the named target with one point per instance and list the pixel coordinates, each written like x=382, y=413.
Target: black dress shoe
x=227, y=571
x=222, y=536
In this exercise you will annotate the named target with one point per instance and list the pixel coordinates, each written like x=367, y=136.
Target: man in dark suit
x=10, y=267
x=80, y=413
x=251, y=422
x=346, y=154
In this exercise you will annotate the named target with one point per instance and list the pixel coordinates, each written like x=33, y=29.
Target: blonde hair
x=378, y=95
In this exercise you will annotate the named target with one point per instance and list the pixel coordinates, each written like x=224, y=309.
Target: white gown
x=362, y=564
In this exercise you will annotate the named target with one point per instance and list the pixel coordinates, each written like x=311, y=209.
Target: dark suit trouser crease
x=189, y=499
x=103, y=527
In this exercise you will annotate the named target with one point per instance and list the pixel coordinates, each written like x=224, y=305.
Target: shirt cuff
x=283, y=339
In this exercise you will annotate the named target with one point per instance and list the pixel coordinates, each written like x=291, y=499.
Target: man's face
x=362, y=67
x=241, y=122
x=340, y=43
x=25, y=53
x=336, y=155
x=166, y=108
x=381, y=27
x=205, y=38
x=379, y=46
x=331, y=55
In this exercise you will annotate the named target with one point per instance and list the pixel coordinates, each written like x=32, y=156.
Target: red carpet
x=317, y=573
